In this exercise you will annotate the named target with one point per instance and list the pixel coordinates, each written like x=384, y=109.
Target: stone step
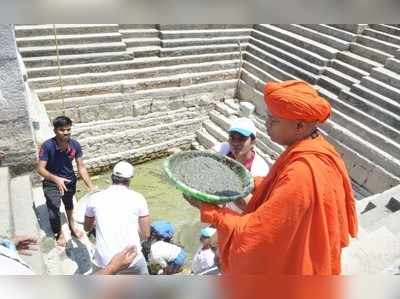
x=332, y=84
x=205, y=33
x=377, y=44
x=142, y=42
x=368, y=150
x=264, y=70
x=6, y=228
x=108, y=101
x=382, y=199
x=139, y=154
x=364, y=89
x=142, y=120
x=226, y=110
x=24, y=218
x=386, y=90
x=176, y=27
x=189, y=42
x=131, y=74
x=288, y=56
x=289, y=47
x=137, y=26
x=223, y=122
x=386, y=76
x=298, y=40
x=139, y=33
x=51, y=61
x=391, y=222
x=72, y=39
x=255, y=81
x=370, y=53
x=359, y=117
x=76, y=257
x=205, y=139
x=215, y=131
x=129, y=86
x=357, y=61
x=137, y=138
x=284, y=65
x=232, y=103
x=72, y=49
x=366, y=133
x=265, y=152
x=359, y=192
x=144, y=52
x=383, y=36
x=47, y=29
x=370, y=107
x=128, y=65
x=180, y=51
x=331, y=31
x=393, y=30
x=372, y=254
x=353, y=28
x=365, y=172
x=393, y=65
x=317, y=36
x=348, y=69
x=371, y=217
x=339, y=76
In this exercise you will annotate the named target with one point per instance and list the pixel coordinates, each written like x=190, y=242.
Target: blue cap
x=244, y=126
x=208, y=232
x=163, y=228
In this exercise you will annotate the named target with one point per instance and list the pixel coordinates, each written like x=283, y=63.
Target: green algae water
x=164, y=200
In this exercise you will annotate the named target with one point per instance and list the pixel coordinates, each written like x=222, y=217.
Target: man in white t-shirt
x=240, y=147
x=119, y=214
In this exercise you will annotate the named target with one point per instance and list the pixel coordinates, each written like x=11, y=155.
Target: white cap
x=123, y=170
x=244, y=126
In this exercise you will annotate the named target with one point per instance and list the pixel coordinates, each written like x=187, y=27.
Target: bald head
x=287, y=131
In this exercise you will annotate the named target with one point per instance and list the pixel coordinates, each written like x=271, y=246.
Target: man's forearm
x=46, y=174
x=83, y=173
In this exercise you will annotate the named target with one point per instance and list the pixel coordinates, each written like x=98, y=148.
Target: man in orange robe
x=302, y=214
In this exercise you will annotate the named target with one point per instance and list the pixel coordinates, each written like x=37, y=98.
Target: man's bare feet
x=76, y=232
x=61, y=240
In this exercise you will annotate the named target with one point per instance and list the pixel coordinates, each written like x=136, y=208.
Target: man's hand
x=93, y=188
x=23, y=244
x=121, y=260
x=60, y=182
x=194, y=203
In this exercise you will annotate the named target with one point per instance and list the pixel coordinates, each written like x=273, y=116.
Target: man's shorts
x=179, y=261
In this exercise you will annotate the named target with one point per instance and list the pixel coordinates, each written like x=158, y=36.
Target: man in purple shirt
x=55, y=166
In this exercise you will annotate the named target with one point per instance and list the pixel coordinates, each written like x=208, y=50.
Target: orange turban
x=296, y=100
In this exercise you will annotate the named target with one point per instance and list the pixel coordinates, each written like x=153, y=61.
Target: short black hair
x=61, y=121
x=116, y=180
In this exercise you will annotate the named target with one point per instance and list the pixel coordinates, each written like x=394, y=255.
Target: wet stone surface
x=208, y=175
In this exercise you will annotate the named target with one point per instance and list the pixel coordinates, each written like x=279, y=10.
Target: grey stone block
x=246, y=109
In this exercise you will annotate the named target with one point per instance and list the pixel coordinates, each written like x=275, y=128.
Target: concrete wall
x=15, y=130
